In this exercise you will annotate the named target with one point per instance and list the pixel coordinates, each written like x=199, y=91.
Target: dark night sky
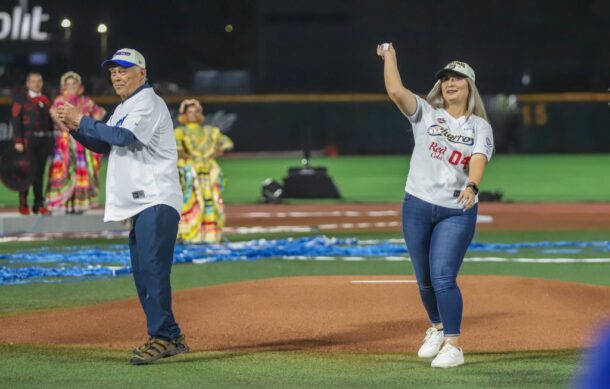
x=328, y=46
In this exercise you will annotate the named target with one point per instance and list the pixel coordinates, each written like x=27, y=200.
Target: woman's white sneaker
x=432, y=343
x=449, y=356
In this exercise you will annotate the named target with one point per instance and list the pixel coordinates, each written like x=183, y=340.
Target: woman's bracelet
x=474, y=187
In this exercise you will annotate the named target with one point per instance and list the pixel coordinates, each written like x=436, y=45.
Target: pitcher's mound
x=335, y=313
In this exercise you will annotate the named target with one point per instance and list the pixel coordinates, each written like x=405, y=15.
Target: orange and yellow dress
x=202, y=182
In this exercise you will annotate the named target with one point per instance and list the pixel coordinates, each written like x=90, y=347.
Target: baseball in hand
x=385, y=46
x=69, y=115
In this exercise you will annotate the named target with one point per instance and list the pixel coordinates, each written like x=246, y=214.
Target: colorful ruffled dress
x=73, y=181
x=202, y=182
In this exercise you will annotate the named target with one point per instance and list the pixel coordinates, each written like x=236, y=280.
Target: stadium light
x=102, y=29
x=66, y=24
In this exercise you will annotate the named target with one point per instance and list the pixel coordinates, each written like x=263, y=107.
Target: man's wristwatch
x=474, y=187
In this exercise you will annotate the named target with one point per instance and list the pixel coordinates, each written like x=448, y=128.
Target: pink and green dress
x=73, y=182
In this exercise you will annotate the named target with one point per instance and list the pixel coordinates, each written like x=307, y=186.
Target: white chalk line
x=384, y=282
x=29, y=237
x=303, y=214
x=332, y=226
x=264, y=230
x=468, y=259
x=325, y=226
x=297, y=214
x=485, y=219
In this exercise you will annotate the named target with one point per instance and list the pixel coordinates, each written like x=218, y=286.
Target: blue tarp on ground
x=80, y=262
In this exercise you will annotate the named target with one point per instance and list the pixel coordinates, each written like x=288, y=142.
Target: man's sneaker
x=141, y=348
x=432, y=343
x=24, y=210
x=449, y=356
x=156, y=348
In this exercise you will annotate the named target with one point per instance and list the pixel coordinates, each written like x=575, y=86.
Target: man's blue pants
x=151, y=245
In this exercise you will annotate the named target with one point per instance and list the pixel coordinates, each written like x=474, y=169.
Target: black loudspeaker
x=308, y=182
x=490, y=197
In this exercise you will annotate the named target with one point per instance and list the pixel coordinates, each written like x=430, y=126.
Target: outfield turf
x=60, y=367
x=57, y=367
x=480, y=236
x=381, y=179
x=21, y=298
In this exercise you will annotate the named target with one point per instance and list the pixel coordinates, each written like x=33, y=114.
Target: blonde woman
x=202, y=181
x=453, y=143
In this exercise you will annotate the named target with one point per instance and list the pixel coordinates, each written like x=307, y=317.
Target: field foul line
x=344, y=226
x=468, y=259
x=320, y=227
x=303, y=214
x=296, y=214
x=384, y=282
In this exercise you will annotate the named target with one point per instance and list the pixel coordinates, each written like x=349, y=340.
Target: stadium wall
x=370, y=124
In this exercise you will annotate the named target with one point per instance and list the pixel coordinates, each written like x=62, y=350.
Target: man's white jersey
x=443, y=147
x=144, y=173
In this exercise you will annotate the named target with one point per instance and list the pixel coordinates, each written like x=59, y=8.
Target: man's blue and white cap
x=459, y=67
x=125, y=58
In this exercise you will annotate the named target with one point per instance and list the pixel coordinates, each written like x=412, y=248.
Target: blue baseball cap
x=125, y=58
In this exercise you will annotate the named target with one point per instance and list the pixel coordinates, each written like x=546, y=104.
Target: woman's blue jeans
x=437, y=239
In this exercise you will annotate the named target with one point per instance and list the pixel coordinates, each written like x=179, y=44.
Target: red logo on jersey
x=457, y=158
x=437, y=151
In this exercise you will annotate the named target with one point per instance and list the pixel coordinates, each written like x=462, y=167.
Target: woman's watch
x=474, y=187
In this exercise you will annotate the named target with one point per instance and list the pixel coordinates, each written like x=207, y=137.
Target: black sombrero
x=16, y=170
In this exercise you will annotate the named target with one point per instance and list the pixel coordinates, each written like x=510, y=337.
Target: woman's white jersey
x=441, y=156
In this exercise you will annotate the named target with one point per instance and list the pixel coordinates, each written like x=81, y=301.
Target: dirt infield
x=386, y=217
x=335, y=314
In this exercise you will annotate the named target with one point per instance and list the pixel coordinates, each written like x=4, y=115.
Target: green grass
x=9, y=247
x=22, y=298
x=58, y=367
x=480, y=236
x=359, y=179
x=381, y=179
x=541, y=235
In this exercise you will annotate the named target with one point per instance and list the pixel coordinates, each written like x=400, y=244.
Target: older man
x=142, y=184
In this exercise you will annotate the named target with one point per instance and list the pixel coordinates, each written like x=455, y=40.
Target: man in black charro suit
x=33, y=133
